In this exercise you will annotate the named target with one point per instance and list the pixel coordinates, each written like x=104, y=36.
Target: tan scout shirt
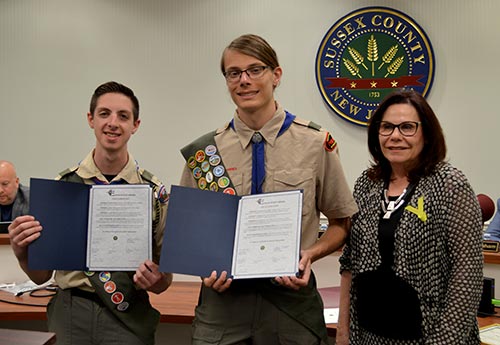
x=296, y=159
x=131, y=173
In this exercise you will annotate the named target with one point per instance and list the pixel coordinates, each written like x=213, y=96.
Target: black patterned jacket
x=439, y=253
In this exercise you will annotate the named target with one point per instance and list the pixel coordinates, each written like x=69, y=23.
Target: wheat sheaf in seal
x=367, y=54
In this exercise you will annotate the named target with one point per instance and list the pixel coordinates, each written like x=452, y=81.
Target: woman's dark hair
x=434, y=150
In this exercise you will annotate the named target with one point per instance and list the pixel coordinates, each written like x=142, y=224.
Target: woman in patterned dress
x=411, y=272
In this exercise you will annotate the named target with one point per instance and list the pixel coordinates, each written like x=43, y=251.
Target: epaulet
x=305, y=123
x=159, y=190
x=329, y=143
x=223, y=128
x=314, y=125
x=68, y=171
x=67, y=174
x=152, y=179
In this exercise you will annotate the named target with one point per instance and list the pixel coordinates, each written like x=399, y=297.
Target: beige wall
x=54, y=53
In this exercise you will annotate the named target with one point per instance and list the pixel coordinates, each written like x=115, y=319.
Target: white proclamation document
x=267, y=238
x=119, y=231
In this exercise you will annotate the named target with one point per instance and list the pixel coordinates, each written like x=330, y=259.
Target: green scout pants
x=244, y=317
x=78, y=320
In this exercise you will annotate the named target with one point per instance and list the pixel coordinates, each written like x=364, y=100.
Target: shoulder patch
x=162, y=194
x=329, y=143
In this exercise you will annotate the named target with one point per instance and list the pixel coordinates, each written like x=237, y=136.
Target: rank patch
x=329, y=143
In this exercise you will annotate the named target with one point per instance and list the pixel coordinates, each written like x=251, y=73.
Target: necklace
x=389, y=206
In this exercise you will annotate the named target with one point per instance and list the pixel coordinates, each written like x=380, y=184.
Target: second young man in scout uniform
x=266, y=149
x=104, y=307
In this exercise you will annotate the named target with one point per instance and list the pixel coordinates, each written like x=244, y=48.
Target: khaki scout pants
x=244, y=318
x=82, y=321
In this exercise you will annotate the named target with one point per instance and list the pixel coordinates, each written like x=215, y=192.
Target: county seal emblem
x=368, y=53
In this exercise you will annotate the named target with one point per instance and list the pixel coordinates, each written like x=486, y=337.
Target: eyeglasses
x=255, y=72
x=407, y=128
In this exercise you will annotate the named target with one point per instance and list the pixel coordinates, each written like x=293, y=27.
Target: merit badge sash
x=205, y=163
x=128, y=304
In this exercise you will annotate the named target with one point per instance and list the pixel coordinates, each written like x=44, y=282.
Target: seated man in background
x=14, y=197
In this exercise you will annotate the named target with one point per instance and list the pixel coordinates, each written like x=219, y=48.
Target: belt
x=87, y=295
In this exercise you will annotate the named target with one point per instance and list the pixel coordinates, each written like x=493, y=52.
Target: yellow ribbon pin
x=418, y=211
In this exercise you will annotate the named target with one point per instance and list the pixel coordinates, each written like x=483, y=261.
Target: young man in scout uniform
x=104, y=307
x=265, y=149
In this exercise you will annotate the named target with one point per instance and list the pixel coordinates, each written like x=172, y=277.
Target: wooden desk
x=22, y=337
x=331, y=296
x=4, y=239
x=176, y=305
x=491, y=258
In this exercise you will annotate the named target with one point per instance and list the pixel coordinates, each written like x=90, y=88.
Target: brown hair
x=252, y=45
x=434, y=150
x=114, y=87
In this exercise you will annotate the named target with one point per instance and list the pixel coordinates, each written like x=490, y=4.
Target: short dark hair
x=114, y=87
x=434, y=150
x=252, y=45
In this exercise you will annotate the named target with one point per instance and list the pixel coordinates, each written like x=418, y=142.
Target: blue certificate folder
x=199, y=232
x=62, y=210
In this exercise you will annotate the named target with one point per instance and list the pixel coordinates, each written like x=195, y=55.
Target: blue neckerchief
x=258, y=155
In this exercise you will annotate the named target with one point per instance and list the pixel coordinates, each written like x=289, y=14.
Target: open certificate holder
x=90, y=227
x=254, y=236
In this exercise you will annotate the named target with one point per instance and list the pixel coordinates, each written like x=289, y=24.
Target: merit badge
x=219, y=171
x=199, y=156
x=366, y=55
x=197, y=172
x=110, y=287
x=104, y=276
x=214, y=187
x=122, y=306
x=223, y=182
x=202, y=183
x=117, y=298
x=214, y=160
x=205, y=166
x=162, y=195
x=210, y=150
x=89, y=273
x=229, y=191
x=329, y=143
x=209, y=176
x=191, y=162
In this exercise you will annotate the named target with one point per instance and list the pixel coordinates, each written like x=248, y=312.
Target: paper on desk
x=23, y=287
x=490, y=335
x=331, y=315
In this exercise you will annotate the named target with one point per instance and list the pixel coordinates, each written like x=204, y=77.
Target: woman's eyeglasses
x=407, y=128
